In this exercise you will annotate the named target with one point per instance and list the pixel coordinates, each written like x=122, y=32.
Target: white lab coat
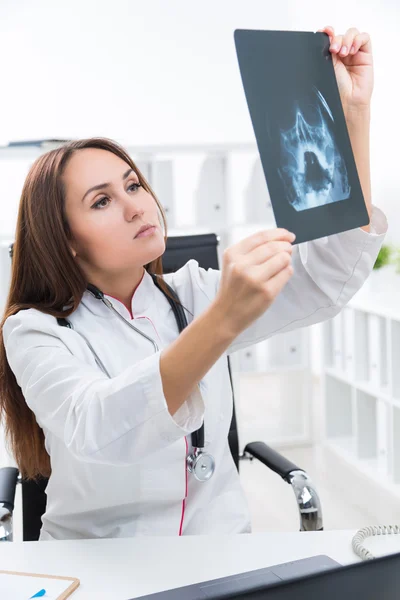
x=118, y=457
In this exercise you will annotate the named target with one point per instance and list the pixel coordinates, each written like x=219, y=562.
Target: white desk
x=118, y=569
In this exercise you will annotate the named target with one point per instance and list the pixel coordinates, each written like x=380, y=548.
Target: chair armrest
x=271, y=459
x=8, y=483
x=307, y=498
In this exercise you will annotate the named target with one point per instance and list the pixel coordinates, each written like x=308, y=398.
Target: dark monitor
x=377, y=579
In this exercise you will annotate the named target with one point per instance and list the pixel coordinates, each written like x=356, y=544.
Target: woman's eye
x=99, y=204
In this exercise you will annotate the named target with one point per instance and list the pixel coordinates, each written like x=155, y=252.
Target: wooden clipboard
x=65, y=594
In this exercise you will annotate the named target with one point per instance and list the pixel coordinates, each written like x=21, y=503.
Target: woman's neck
x=121, y=288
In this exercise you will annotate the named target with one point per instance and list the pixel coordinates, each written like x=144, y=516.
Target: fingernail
x=343, y=50
x=335, y=47
x=353, y=49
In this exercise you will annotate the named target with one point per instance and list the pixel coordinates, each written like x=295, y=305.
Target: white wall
x=165, y=71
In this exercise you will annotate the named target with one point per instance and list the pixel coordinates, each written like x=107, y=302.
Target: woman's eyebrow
x=104, y=185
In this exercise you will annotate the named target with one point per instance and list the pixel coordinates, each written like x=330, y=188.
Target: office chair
x=204, y=249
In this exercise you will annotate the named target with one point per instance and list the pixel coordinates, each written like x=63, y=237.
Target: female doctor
x=106, y=408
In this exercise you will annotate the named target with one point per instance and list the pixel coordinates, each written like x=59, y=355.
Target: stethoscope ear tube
x=199, y=462
x=98, y=294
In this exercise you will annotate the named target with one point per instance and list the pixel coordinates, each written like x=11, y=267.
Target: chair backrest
x=179, y=249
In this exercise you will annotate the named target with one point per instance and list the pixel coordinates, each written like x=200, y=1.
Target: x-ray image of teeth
x=312, y=169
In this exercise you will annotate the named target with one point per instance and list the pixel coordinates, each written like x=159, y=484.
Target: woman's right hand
x=254, y=271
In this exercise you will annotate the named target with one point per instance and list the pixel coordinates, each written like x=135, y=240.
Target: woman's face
x=104, y=222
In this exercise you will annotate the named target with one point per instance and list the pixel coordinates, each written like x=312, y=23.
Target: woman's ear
x=72, y=244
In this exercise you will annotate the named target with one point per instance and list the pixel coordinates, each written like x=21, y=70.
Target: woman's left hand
x=352, y=61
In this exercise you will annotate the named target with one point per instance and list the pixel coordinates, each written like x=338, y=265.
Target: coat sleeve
x=119, y=420
x=327, y=273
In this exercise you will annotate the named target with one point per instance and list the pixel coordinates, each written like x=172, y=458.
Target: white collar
x=142, y=298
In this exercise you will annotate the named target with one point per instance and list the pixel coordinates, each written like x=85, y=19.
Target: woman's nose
x=132, y=208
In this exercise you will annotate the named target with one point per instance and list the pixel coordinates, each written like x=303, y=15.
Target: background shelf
x=361, y=390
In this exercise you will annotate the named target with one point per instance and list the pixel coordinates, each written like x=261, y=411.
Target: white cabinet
x=258, y=206
x=275, y=373
x=246, y=188
x=356, y=346
x=144, y=166
x=360, y=345
x=288, y=349
x=384, y=418
x=348, y=332
x=337, y=342
x=361, y=389
x=248, y=360
x=396, y=444
x=210, y=194
x=162, y=183
x=282, y=352
x=365, y=425
x=338, y=410
x=394, y=357
x=377, y=351
x=327, y=343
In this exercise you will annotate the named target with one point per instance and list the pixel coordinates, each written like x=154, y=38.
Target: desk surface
x=118, y=569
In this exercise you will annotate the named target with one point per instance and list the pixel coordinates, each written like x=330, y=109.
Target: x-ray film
x=301, y=132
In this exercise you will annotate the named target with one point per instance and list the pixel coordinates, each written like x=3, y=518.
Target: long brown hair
x=45, y=276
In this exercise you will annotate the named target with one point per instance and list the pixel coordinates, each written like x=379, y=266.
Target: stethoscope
x=199, y=462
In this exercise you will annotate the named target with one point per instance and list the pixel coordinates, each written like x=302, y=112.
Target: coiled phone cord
x=362, y=534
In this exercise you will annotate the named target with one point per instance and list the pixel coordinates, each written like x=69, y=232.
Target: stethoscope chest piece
x=201, y=464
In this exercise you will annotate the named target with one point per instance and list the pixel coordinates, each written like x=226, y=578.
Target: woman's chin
x=157, y=249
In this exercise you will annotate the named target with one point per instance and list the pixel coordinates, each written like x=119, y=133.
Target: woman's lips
x=146, y=232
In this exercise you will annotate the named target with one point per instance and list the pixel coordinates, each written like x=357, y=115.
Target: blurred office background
x=161, y=77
